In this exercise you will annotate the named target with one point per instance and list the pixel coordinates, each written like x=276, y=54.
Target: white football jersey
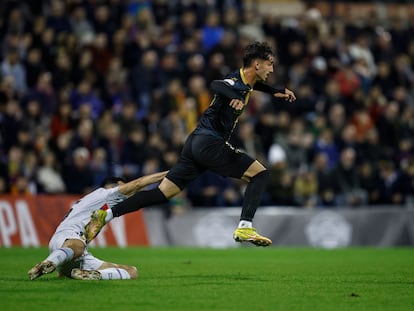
x=80, y=213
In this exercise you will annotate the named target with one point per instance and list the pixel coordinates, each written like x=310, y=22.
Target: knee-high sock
x=253, y=195
x=61, y=255
x=114, y=274
x=139, y=200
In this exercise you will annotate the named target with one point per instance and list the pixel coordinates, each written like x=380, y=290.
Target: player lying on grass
x=69, y=254
x=208, y=148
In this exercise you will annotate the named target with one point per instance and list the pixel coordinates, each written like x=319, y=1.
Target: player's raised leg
x=258, y=176
x=159, y=195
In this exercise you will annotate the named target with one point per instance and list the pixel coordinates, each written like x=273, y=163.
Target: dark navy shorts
x=203, y=152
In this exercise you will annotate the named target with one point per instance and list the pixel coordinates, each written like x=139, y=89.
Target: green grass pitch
x=245, y=278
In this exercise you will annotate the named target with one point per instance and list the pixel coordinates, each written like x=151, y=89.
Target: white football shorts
x=86, y=262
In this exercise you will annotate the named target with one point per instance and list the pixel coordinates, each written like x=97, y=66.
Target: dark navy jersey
x=220, y=118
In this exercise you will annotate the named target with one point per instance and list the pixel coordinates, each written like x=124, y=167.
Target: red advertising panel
x=31, y=221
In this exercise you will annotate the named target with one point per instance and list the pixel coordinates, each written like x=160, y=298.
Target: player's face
x=264, y=68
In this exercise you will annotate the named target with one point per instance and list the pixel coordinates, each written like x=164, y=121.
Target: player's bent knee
x=254, y=169
x=76, y=245
x=169, y=188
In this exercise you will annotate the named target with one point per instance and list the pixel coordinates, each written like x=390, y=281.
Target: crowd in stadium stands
x=96, y=88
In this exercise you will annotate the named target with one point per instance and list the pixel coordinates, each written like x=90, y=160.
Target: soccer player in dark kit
x=208, y=148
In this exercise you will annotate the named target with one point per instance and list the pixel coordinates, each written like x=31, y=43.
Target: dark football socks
x=139, y=200
x=253, y=195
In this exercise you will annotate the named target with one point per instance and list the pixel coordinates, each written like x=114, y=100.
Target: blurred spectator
x=84, y=136
x=195, y=65
x=371, y=149
x=14, y=166
x=249, y=142
x=171, y=125
x=134, y=151
x=84, y=95
x=317, y=75
x=326, y=186
x=101, y=53
x=35, y=120
x=368, y=179
x=187, y=25
x=174, y=97
x=348, y=81
x=388, y=126
x=392, y=184
x=402, y=75
x=197, y=101
x=326, y=145
x=11, y=121
x=15, y=18
x=266, y=127
x=296, y=153
x=336, y=120
x=58, y=20
x=305, y=188
x=62, y=120
x=281, y=182
x=104, y=20
x=34, y=66
x=331, y=96
x=62, y=71
x=250, y=26
x=211, y=32
x=99, y=166
x=222, y=55
x=81, y=25
x=211, y=190
x=48, y=176
x=348, y=137
x=345, y=175
x=362, y=122
x=111, y=141
x=83, y=68
x=77, y=174
x=44, y=93
x=383, y=78
x=12, y=66
x=361, y=53
x=126, y=118
x=146, y=78
x=171, y=69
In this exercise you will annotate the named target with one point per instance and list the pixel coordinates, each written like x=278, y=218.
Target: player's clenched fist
x=236, y=104
x=287, y=95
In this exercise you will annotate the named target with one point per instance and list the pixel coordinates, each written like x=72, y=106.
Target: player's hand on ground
x=236, y=104
x=288, y=95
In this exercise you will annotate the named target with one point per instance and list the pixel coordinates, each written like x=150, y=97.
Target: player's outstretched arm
x=287, y=95
x=283, y=93
x=135, y=185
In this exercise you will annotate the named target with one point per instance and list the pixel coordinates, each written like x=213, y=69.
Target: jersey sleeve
x=224, y=88
x=262, y=87
x=114, y=196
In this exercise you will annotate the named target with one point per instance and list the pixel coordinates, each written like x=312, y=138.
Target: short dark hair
x=256, y=50
x=112, y=180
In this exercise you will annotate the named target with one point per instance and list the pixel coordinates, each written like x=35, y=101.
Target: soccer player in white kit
x=68, y=252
